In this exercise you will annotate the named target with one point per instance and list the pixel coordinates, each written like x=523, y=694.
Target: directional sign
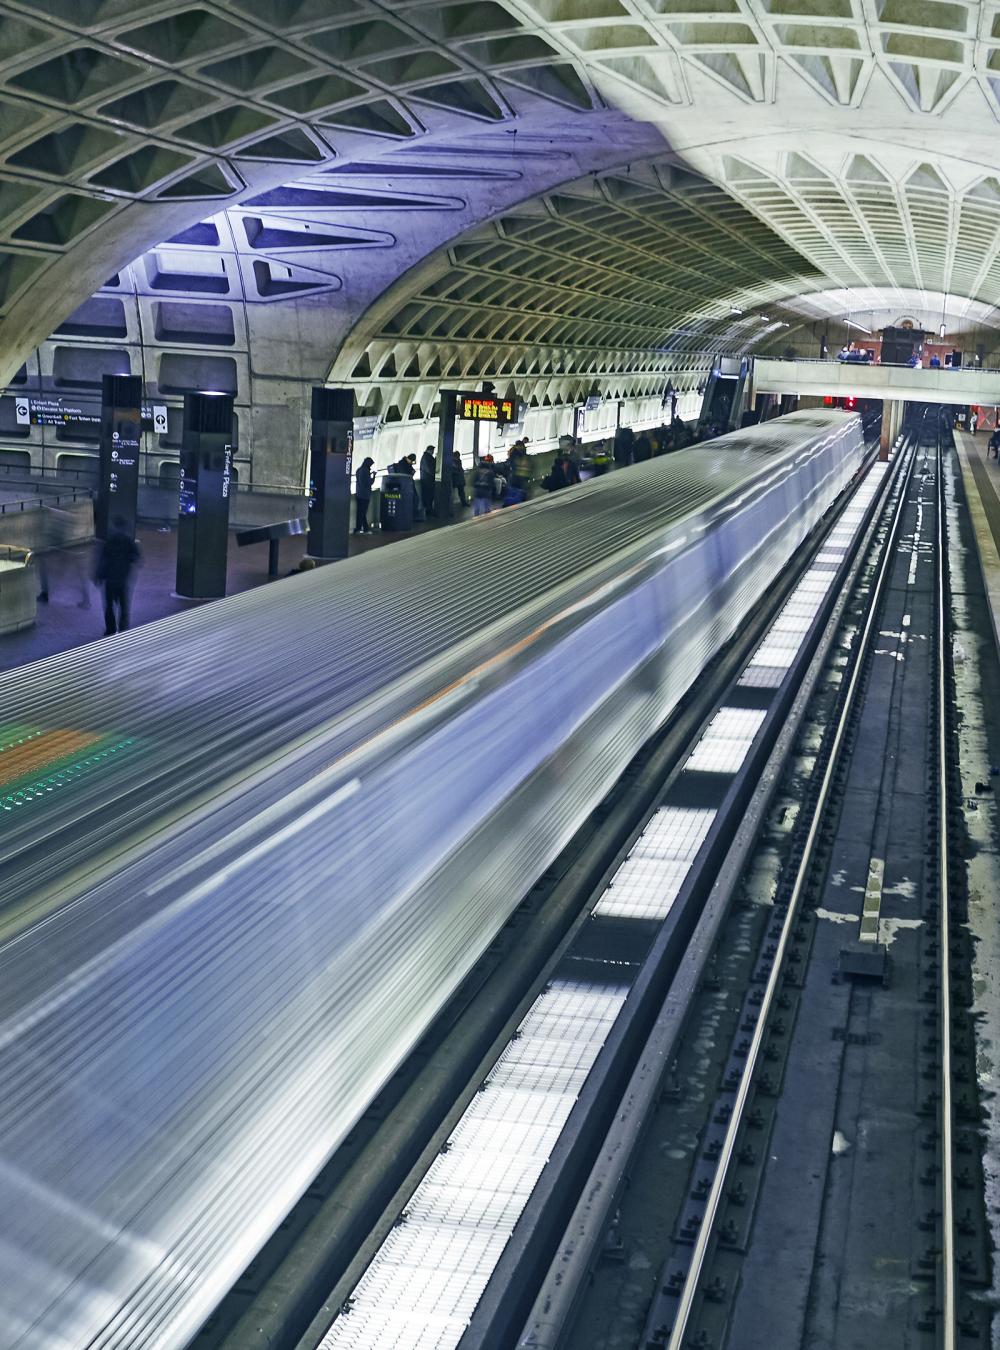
x=53, y=412
x=30, y=411
x=366, y=427
x=156, y=416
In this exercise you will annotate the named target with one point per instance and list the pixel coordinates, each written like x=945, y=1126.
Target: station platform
x=63, y=623
x=982, y=489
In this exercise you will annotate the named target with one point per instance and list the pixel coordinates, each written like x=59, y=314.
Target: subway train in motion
x=249, y=852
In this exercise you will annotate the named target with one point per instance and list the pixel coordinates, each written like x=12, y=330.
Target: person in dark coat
x=570, y=457
x=518, y=473
x=428, y=471
x=458, y=477
x=118, y=556
x=680, y=435
x=642, y=449
x=484, y=480
x=624, y=438
x=561, y=475
x=364, y=481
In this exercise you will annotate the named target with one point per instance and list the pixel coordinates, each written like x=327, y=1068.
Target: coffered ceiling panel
x=860, y=135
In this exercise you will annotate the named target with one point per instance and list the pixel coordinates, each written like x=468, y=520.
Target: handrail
x=88, y=479
x=37, y=502
x=891, y=365
x=16, y=553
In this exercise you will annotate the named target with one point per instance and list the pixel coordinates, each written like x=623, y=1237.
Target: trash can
x=396, y=503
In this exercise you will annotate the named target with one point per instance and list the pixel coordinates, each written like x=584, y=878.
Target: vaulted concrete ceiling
x=859, y=136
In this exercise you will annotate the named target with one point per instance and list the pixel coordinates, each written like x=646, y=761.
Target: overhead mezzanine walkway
x=840, y=379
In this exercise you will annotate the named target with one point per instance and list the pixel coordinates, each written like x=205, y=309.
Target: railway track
x=770, y=1242
x=702, y=1301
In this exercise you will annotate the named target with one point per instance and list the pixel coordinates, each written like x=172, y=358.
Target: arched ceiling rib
x=616, y=275
x=860, y=132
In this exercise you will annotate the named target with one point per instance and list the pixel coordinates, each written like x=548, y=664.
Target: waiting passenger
x=642, y=449
x=484, y=481
x=935, y=362
x=624, y=438
x=364, y=481
x=993, y=445
x=560, y=475
x=458, y=477
x=509, y=462
x=519, y=471
x=428, y=472
x=118, y=556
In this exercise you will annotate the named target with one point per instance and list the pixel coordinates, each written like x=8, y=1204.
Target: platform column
x=331, y=452
x=121, y=424
x=446, y=443
x=892, y=420
x=206, y=486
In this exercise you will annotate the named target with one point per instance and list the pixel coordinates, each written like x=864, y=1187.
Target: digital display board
x=484, y=408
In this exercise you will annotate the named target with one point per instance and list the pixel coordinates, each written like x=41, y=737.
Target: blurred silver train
x=248, y=853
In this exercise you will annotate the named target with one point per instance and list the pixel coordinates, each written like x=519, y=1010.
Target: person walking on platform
x=118, y=556
x=428, y=471
x=483, y=486
x=364, y=481
x=54, y=542
x=458, y=477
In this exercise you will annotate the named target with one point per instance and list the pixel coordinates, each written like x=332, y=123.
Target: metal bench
x=271, y=535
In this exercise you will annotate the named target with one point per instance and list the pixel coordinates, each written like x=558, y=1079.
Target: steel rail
x=949, y=1311
x=688, y=1295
